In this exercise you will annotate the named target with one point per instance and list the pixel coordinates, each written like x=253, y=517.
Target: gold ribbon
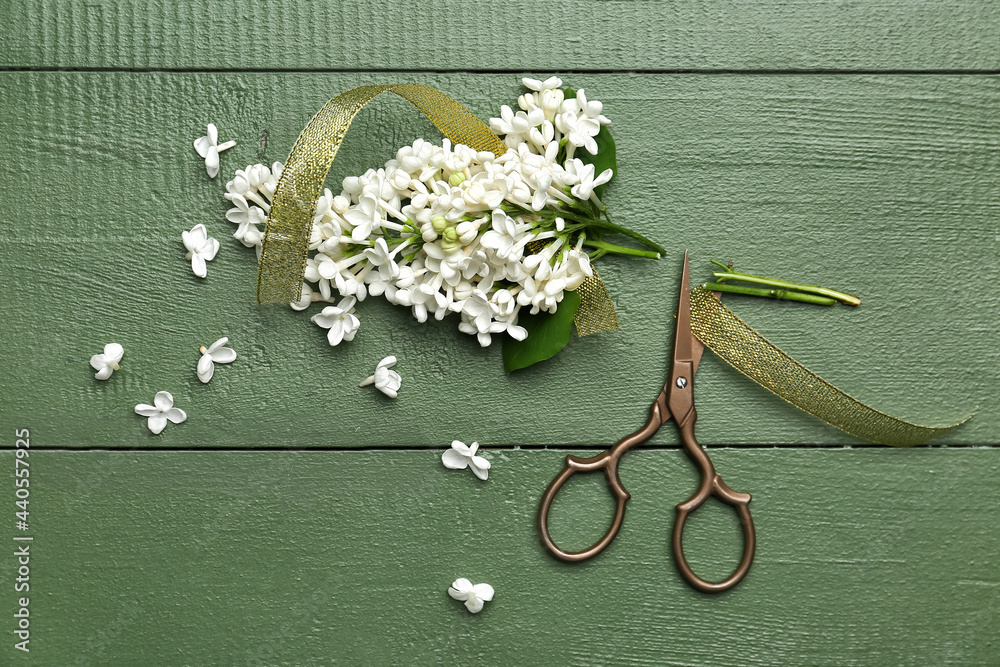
x=596, y=312
x=286, y=239
x=753, y=355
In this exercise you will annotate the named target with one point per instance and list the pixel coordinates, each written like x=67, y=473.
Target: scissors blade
x=683, y=339
x=696, y=351
x=676, y=398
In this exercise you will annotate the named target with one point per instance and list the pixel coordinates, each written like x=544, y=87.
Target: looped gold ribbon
x=753, y=355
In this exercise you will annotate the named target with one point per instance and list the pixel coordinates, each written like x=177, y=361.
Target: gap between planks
x=424, y=448
x=392, y=70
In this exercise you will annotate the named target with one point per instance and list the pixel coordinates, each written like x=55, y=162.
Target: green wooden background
x=296, y=519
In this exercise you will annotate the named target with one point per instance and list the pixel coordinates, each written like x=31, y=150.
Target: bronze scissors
x=675, y=400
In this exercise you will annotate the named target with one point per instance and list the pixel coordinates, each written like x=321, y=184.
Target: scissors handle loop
x=574, y=465
x=711, y=485
x=608, y=460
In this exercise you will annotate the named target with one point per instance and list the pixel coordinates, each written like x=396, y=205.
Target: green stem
x=618, y=229
x=513, y=209
x=730, y=274
x=771, y=293
x=621, y=250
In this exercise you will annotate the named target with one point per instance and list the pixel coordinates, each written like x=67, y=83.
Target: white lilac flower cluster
x=444, y=228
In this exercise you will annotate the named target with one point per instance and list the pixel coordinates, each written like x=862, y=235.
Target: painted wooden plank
x=453, y=36
x=865, y=557
x=881, y=185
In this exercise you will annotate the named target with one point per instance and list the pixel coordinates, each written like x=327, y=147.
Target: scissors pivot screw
x=682, y=382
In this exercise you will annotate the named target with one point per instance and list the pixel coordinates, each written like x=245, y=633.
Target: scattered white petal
x=474, y=596
x=214, y=354
x=160, y=412
x=462, y=456
x=107, y=363
x=201, y=248
x=340, y=320
x=385, y=380
x=208, y=147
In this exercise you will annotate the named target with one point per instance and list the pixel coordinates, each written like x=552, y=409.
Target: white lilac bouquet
x=504, y=241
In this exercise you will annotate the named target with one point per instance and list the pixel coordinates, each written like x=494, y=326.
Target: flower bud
x=403, y=297
x=353, y=185
x=440, y=224
x=467, y=232
x=341, y=204
x=315, y=237
x=427, y=233
x=475, y=194
x=405, y=278
x=554, y=287
x=400, y=179
x=463, y=290
x=450, y=234
x=457, y=179
x=551, y=101
x=419, y=200
x=258, y=174
x=253, y=236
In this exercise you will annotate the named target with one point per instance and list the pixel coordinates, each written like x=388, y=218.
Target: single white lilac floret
x=107, y=363
x=208, y=147
x=339, y=319
x=461, y=456
x=385, y=380
x=215, y=353
x=201, y=248
x=474, y=596
x=160, y=412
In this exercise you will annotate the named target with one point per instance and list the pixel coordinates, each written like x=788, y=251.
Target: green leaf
x=547, y=334
x=606, y=158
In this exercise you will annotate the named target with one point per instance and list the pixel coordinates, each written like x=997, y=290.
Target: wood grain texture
x=301, y=558
x=885, y=186
x=441, y=35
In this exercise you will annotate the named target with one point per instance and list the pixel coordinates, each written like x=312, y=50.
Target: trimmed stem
x=730, y=274
x=771, y=293
x=621, y=250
